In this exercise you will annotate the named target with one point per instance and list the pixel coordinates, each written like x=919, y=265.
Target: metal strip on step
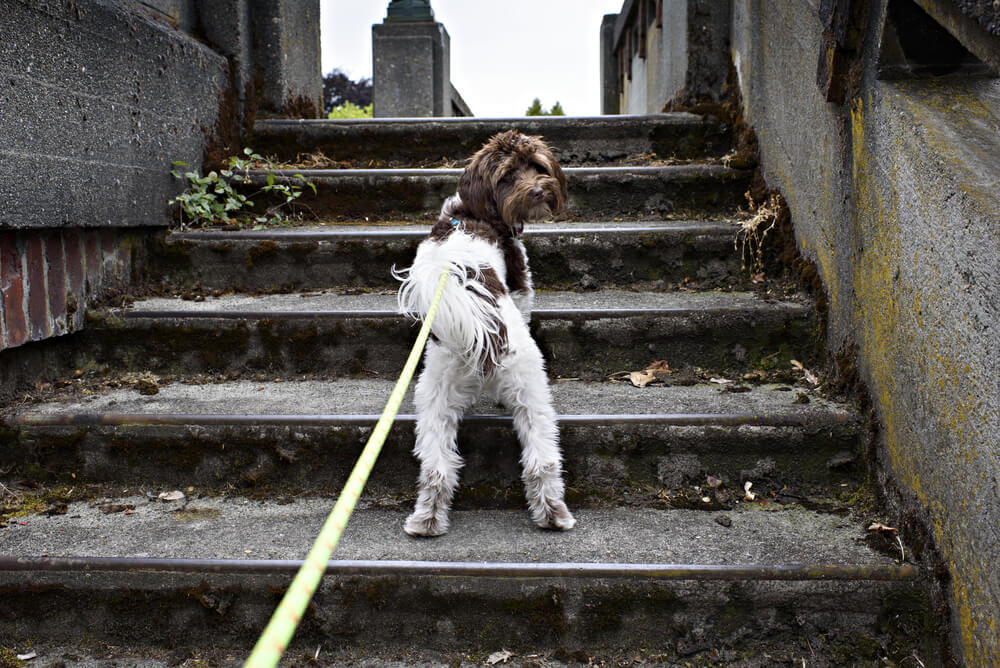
x=805, y=419
x=261, y=315
x=881, y=572
x=343, y=314
x=686, y=171
x=420, y=231
x=640, y=122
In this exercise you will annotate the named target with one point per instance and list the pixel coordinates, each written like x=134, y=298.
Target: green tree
x=339, y=88
x=350, y=110
x=535, y=109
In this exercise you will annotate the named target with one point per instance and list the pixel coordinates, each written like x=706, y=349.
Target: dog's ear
x=476, y=186
x=547, y=161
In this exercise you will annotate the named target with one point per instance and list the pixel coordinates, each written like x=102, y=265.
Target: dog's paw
x=419, y=524
x=556, y=517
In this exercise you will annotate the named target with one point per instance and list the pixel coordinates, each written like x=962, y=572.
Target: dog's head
x=513, y=178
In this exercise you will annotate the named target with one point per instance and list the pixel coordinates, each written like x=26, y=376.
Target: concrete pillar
x=609, y=66
x=273, y=48
x=675, y=53
x=412, y=64
x=286, y=54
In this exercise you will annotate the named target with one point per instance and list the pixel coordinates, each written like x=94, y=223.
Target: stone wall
x=97, y=99
x=894, y=191
x=95, y=103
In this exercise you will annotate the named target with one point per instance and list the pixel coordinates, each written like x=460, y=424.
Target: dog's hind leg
x=443, y=393
x=521, y=384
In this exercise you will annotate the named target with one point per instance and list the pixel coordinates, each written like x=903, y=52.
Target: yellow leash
x=279, y=631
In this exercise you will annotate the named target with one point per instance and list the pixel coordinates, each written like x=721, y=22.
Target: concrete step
x=589, y=334
x=768, y=585
x=595, y=193
x=621, y=444
x=563, y=256
x=418, y=141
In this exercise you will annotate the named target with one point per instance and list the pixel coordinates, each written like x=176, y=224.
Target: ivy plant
x=211, y=199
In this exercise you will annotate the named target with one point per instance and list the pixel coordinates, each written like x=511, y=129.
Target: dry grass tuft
x=753, y=232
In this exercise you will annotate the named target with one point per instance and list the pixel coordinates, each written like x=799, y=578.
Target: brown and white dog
x=479, y=338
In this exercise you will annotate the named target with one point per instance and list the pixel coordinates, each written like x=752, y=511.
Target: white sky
x=504, y=53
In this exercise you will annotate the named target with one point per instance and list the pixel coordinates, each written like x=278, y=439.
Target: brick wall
x=48, y=278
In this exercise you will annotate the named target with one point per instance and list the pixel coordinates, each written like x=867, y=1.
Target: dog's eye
x=507, y=178
x=541, y=169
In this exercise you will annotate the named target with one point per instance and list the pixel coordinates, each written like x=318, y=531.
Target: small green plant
x=212, y=199
x=351, y=110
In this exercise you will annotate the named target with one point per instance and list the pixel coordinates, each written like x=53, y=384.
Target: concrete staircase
x=252, y=381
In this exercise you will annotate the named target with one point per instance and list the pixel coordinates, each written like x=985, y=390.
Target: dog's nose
x=537, y=192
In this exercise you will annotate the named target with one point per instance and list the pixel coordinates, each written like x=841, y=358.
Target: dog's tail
x=468, y=320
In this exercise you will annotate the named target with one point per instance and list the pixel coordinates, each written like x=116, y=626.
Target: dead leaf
x=57, y=508
x=27, y=657
x=109, y=508
x=811, y=378
x=658, y=365
x=147, y=386
x=642, y=378
x=499, y=657
x=747, y=494
x=878, y=526
x=714, y=482
x=719, y=381
x=175, y=495
x=757, y=278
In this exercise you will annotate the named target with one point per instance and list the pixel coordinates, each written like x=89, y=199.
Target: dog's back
x=469, y=321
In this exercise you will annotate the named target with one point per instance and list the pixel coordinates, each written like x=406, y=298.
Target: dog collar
x=455, y=222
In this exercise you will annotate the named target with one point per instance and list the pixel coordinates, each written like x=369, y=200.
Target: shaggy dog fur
x=480, y=339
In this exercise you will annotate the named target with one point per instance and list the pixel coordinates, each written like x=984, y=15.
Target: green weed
x=212, y=199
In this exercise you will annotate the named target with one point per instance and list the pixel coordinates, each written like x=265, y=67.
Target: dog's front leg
x=443, y=393
x=522, y=386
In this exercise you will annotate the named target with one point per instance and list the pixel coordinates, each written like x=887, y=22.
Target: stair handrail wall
x=874, y=119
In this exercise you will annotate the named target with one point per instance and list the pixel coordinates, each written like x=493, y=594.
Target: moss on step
x=8, y=659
